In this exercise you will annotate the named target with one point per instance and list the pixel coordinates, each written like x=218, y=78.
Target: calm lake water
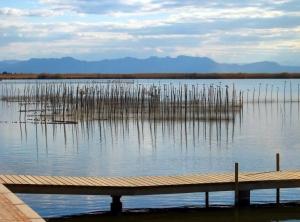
x=134, y=148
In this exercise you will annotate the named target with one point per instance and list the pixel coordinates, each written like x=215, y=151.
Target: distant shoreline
x=153, y=76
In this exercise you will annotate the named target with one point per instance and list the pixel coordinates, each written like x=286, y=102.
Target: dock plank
x=12, y=209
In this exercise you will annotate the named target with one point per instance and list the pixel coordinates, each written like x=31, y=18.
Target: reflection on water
x=184, y=134
x=130, y=147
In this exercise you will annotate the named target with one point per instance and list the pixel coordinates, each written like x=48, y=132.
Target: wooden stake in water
x=272, y=93
x=291, y=92
x=266, y=93
x=298, y=93
x=284, y=91
x=277, y=94
x=259, y=92
x=247, y=96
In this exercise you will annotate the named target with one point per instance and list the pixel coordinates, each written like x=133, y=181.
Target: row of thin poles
x=271, y=94
x=121, y=101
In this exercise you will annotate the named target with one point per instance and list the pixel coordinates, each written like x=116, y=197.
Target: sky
x=229, y=31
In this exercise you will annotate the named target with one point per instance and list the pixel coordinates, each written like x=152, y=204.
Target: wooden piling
x=116, y=205
x=207, y=199
x=244, y=198
x=298, y=93
x=277, y=169
x=236, y=180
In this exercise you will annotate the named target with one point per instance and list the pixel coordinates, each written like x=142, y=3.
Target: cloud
x=93, y=6
x=31, y=13
x=136, y=6
x=93, y=29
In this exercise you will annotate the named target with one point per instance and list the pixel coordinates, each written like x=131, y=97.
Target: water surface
x=135, y=148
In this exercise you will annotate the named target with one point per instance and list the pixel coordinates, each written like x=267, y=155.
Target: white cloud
x=107, y=36
x=218, y=29
x=32, y=12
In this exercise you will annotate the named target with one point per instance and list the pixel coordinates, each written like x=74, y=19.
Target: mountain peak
x=68, y=58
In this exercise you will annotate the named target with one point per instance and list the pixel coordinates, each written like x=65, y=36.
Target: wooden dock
x=241, y=183
x=12, y=209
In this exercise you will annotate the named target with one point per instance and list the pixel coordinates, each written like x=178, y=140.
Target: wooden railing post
x=236, y=180
x=277, y=162
x=277, y=169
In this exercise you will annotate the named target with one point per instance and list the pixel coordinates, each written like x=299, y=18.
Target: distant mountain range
x=180, y=64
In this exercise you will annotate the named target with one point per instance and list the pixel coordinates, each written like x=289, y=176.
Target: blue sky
x=230, y=31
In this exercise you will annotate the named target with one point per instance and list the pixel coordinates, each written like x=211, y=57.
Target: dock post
x=236, y=180
x=207, y=199
x=116, y=205
x=277, y=169
x=242, y=197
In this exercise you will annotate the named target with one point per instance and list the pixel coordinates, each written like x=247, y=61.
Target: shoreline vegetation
x=16, y=76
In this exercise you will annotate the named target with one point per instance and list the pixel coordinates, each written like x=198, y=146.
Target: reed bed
x=66, y=103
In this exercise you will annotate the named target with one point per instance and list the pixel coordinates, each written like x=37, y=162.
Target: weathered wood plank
x=52, y=180
x=34, y=179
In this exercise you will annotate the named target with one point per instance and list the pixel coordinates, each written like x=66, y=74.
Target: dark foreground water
x=134, y=148
x=267, y=214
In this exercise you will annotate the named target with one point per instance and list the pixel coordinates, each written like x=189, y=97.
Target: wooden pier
x=242, y=184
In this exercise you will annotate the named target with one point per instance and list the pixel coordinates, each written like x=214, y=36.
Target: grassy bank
x=153, y=76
